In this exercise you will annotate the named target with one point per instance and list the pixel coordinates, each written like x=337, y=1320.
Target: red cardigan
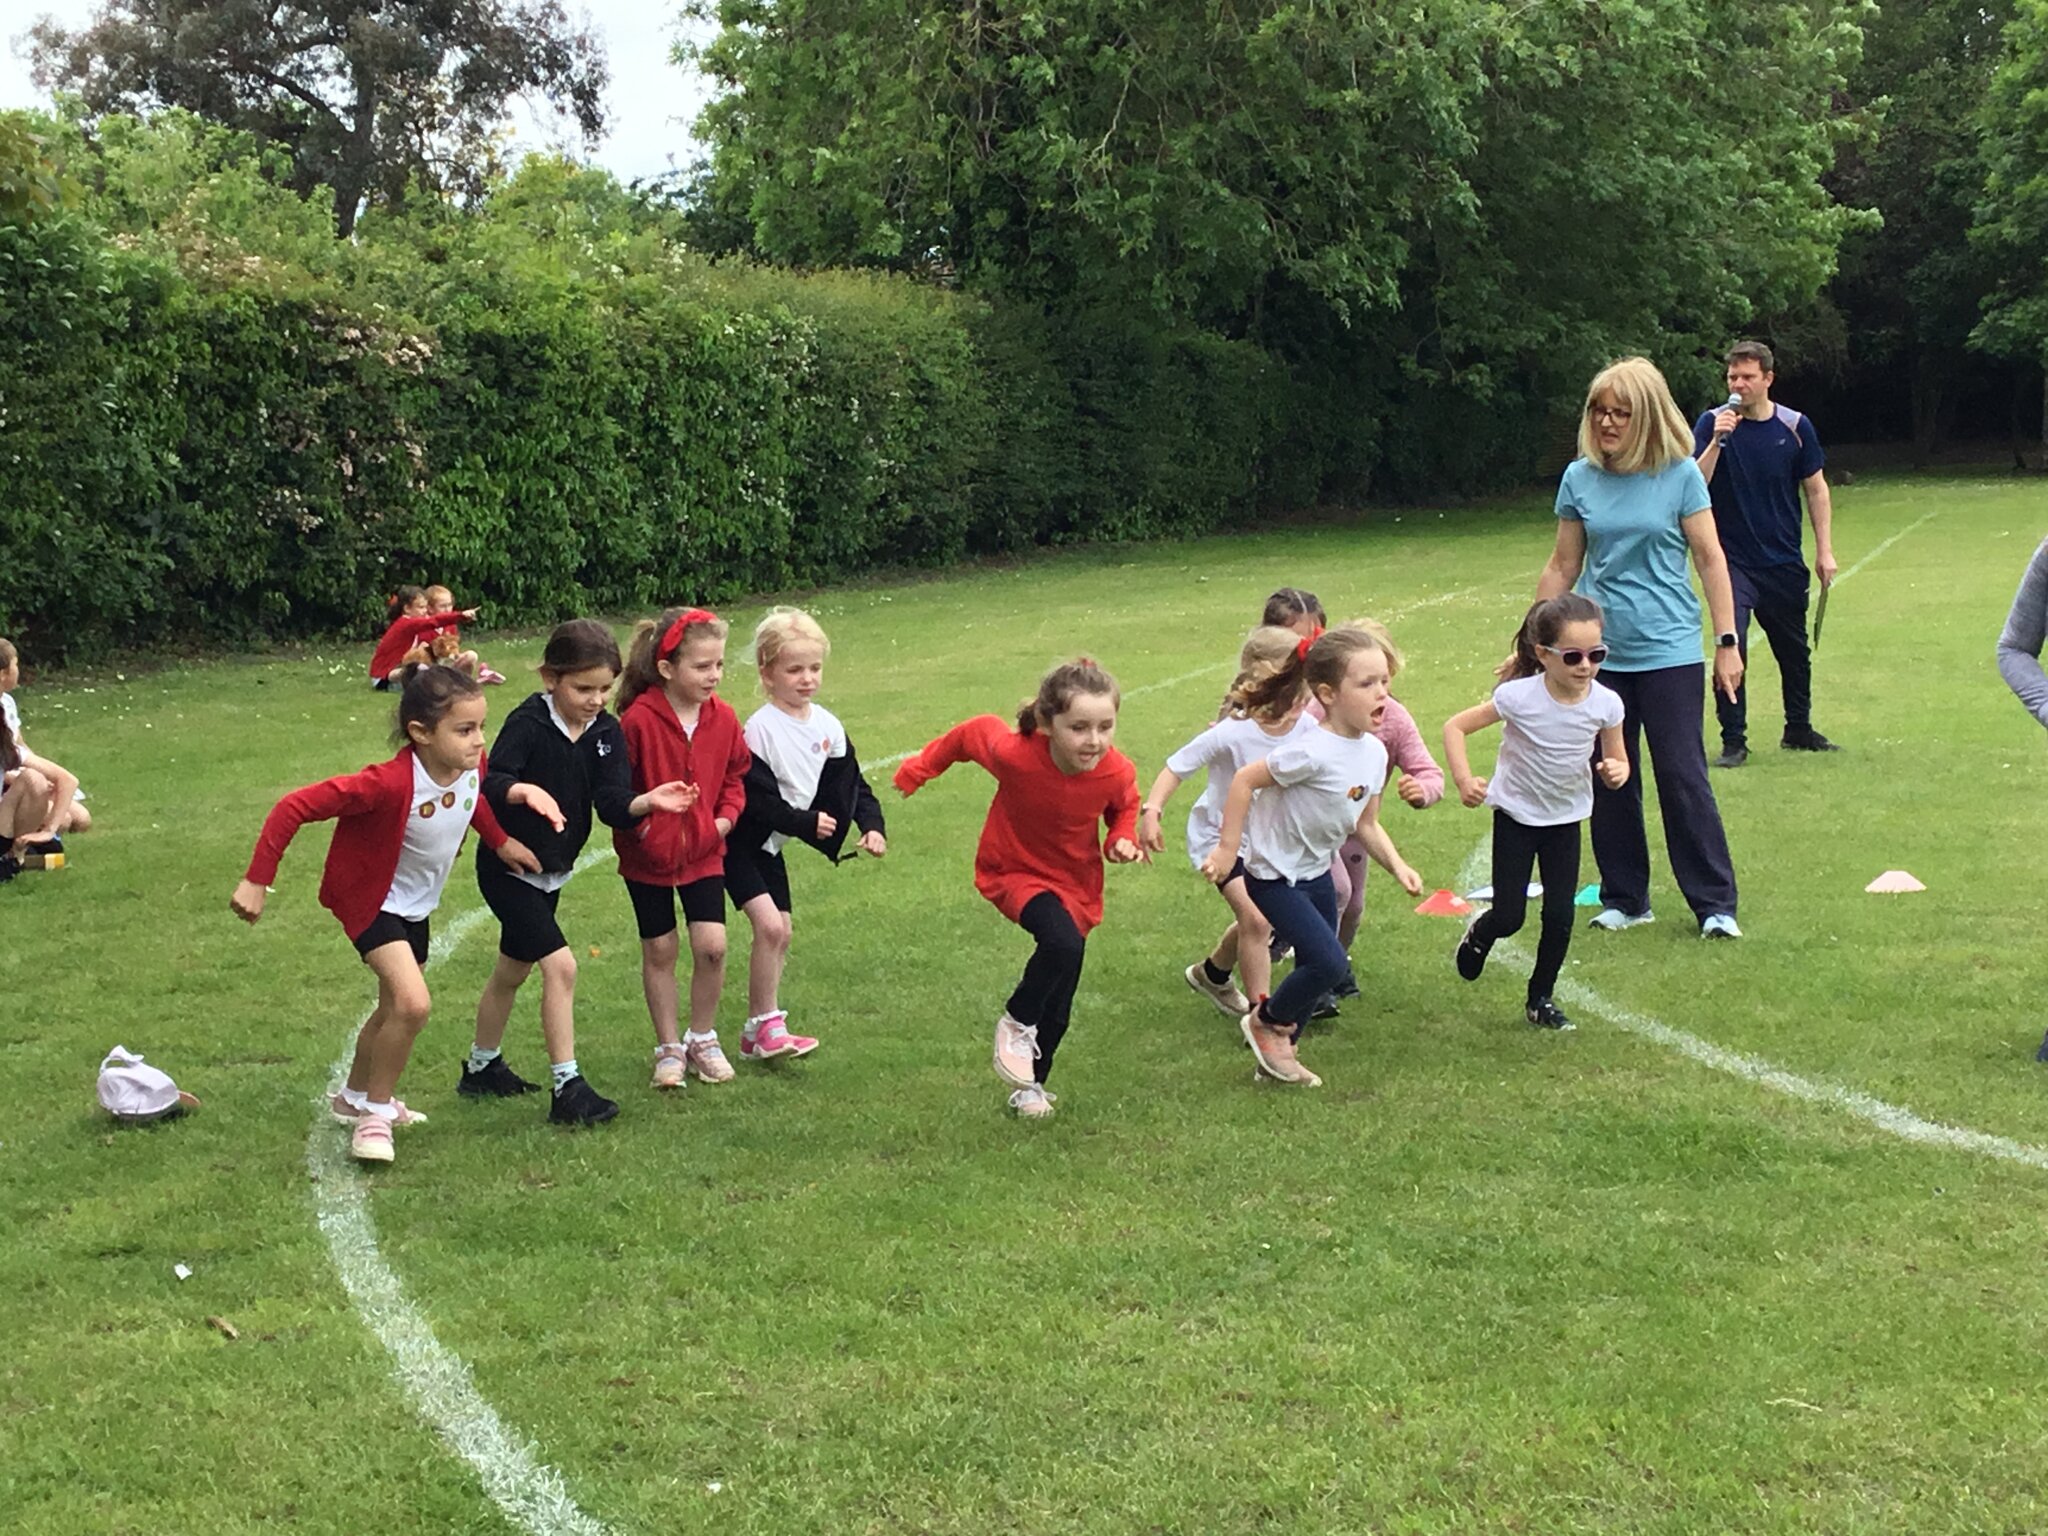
x=369, y=810
x=669, y=849
x=405, y=633
x=1043, y=825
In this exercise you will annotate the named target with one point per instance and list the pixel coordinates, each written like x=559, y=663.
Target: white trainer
x=1016, y=1049
x=1720, y=926
x=1033, y=1103
x=1613, y=919
x=1228, y=1000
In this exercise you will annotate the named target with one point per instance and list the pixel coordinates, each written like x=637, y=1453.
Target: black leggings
x=1045, y=997
x=1516, y=850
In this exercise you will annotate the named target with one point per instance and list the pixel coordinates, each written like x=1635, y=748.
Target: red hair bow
x=1308, y=641
x=674, y=637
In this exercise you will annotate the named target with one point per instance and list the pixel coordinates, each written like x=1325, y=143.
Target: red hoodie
x=407, y=631
x=369, y=810
x=666, y=849
x=1044, y=828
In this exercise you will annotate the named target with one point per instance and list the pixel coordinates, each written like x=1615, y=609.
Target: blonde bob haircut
x=782, y=628
x=1657, y=435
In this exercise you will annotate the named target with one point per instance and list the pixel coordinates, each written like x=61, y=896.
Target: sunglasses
x=1574, y=656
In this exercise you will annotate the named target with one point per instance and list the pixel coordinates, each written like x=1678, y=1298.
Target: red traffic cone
x=1444, y=904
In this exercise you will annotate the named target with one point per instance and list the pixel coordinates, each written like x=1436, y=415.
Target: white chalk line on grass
x=530, y=1493
x=1888, y=543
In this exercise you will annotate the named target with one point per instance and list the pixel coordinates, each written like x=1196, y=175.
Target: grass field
x=1486, y=1280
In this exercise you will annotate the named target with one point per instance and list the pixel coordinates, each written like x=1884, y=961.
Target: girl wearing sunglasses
x=1553, y=714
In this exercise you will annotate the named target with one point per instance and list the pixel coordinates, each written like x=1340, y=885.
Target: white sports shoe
x=1033, y=1103
x=1016, y=1049
x=1231, y=1002
x=1613, y=919
x=1720, y=926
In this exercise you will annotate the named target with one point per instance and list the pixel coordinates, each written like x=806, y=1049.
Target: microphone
x=1733, y=403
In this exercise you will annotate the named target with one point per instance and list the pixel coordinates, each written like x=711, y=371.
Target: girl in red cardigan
x=677, y=727
x=1039, y=862
x=398, y=825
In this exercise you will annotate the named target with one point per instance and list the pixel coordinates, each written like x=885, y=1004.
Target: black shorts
x=751, y=872
x=390, y=928
x=654, y=906
x=526, y=913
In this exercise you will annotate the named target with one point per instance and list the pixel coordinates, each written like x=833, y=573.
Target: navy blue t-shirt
x=1756, y=485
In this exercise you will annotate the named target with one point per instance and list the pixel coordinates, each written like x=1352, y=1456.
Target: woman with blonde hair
x=1630, y=510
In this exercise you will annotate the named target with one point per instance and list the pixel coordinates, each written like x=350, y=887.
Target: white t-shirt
x=1223, y=749
x=1325, y=781
x=797, y=751
x=1544, y=777
x=13, y=717
x=430, y=841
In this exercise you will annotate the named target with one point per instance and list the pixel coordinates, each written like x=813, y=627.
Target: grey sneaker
x=1720, y=926
x=1613, y=919
x=1228, y=1000
x=1033, y=1103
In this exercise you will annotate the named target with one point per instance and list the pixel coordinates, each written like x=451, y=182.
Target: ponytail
x=1541, y=626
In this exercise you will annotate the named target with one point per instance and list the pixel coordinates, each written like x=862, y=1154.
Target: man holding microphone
x=1757, y=456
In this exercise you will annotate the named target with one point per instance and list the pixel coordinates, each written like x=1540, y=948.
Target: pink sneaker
x=706, y=1058
x=346, y=1113
x=370, y=1141
x=668, y=1067
x=772, y=1038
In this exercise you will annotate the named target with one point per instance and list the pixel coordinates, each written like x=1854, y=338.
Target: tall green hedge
x=208, y=434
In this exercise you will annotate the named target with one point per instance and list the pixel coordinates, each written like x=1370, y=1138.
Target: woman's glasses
x=1575, y=656
x=1618, y=414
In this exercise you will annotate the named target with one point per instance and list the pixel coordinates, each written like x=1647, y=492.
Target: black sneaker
x=1732, y=757
x=1347, y=988
x=1470, y=956
x=1808, y=740
x=495, y=1081
x=577, y=1103
x=1325, y=1008
x=1545, y=1014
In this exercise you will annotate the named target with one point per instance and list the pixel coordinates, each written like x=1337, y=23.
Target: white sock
x=479, y=1058
x=693, y=1036
x=563, y=1071
x=355, y=1097
x=384, y=1111
x=752, y=1027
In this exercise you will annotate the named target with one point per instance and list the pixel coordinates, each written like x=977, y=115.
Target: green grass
x=1486, y=1280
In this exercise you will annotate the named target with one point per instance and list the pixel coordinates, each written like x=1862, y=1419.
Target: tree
x=367, y=96
x=2012, y=219
x=30, y=183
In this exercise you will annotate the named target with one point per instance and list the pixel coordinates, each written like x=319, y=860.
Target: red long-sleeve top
x=1044, y=827
x=407, y=631
x=668, y=849
x=369, y=810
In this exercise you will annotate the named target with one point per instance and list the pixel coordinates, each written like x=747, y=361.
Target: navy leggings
x=1305, y=916
x=1665, y=707
x=1045, y=997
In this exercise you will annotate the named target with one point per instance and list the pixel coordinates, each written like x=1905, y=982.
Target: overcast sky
x=652, y=102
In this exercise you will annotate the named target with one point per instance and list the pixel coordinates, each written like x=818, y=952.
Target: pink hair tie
x=674, y=637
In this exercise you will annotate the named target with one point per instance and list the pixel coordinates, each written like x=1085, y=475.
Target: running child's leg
x=704, y=908
x=770, y=953
x=1303, y=916
x=1044, y=998
x=1558, y=856
x=1253, y=935
x=385, y=1043
x=1514, y=855
x=1351, y=908
x=494, y=1007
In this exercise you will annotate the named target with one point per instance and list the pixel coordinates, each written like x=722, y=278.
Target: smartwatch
x=1726, y=639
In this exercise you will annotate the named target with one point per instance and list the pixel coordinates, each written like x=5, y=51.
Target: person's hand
x=827, y=825
x=1472, y=791
x=1404, y=872
x=1124, y=851
x=1613, y=771
x=516, y=855
x=676, y=796
x=724, y=825
x=1727, y=671
x=1824, y=567
x=469, y=615
x=1149, y=831
x=1410, y=790
x=1724, y=421
x=873, y=844
x=1215, y=868
x=538, y=801
x=247, y=902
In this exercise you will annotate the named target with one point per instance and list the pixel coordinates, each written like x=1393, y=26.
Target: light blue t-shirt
x=1636, y=559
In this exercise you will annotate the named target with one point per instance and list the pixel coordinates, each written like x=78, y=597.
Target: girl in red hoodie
x=677, y=727
x=398, y=825
x=1058, y=780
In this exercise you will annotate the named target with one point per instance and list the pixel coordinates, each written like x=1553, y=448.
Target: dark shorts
x=390, y=928
x=751, y=872
x=1236, y=873
x=526, y=914
x=654, y=906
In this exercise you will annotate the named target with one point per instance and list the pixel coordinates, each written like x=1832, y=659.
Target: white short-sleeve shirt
x=797, y=751
x=1223, y=749
x=1323, y=783
x=431, y=840
x=1544, y=776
